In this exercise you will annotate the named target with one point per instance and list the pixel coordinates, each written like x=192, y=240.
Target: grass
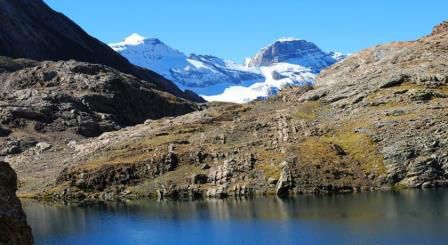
x=316, y=151
x=306, y=110
x=361, y=148
x=180, y=176
x=268, y=162
x=182, y=173
x=131, y=151
x=270, y=170
x=442, y=90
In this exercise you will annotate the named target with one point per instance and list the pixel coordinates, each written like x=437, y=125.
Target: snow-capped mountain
x=205, y=74
x=286, y=62
x=293, y=51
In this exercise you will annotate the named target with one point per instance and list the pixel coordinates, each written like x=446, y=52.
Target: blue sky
x=234, y=29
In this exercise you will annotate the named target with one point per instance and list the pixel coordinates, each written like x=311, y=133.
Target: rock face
x=30, y=29
x=295, y=51
x=376, y=120
x=56, y=100
x=13, y=227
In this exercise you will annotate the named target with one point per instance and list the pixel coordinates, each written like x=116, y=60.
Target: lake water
x=406, y=217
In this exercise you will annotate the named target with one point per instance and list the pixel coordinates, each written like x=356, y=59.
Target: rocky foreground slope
x=376, y=120
x=13, y=227
x=42, y=102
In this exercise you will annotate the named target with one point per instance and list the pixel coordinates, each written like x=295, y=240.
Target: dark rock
x=420, y=95
x=338, y=149
x=4, y=132
x=394, y=81
x=199, y=179
x=205, y=166
x=13, y=227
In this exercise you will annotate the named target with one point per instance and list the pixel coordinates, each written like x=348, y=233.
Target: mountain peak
x=293, y=51
x=288, y=39
x=134, y=39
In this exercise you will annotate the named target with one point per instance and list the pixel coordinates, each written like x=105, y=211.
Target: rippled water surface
x=406, y=217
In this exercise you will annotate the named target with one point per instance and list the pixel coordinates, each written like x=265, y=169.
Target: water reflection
x=406, y=217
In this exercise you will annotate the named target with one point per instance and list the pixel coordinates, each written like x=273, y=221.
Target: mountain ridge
x=188, y=71
x=219, y=80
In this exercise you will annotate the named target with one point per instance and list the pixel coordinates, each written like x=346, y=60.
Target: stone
x=285, y=182
x=218, y=192
x=272, y=181
x=205, y=166
x=43, y=146
x=338, y=149
x=417, y=95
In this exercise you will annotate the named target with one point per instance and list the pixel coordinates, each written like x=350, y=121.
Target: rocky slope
x=13, y=227
x=66, y=100
x=30, y=29
x=376, y=120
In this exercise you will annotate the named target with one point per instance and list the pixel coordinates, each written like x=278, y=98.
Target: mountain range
x=286, y=62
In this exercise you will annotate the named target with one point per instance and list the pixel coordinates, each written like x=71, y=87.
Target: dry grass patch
x=315, y=151
x=306, y=110
x=268, y=162
x=131, y=151
x=361, y=148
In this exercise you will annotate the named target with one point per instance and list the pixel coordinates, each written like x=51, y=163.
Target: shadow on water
x=405, y=217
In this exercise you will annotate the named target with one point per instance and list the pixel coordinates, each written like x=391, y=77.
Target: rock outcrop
x=54, y=101
x=30, y=29
x=13, y=227
x=295, y=51
x=441, y=28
